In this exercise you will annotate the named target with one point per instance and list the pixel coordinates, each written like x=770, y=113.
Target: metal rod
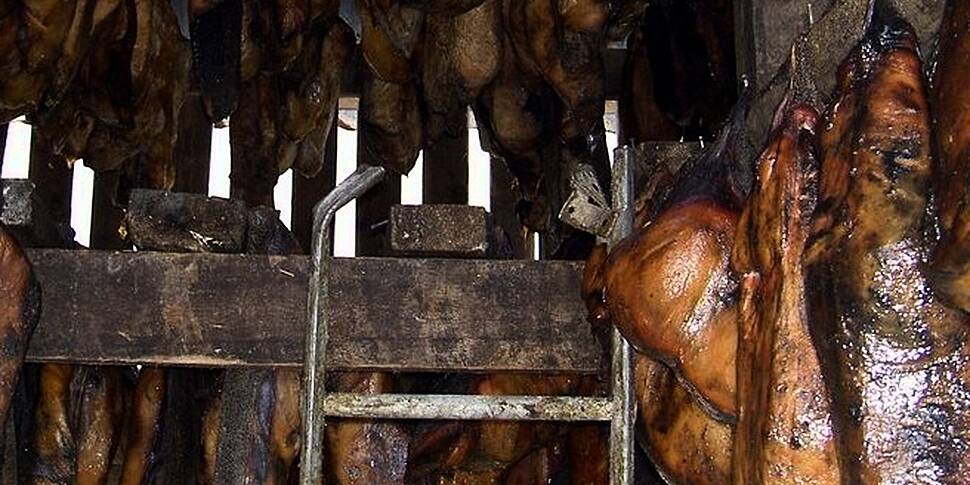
x=466, y=407
x=314, y=370
x=624, y=405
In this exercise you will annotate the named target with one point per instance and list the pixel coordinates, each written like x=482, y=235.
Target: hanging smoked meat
x=288, y=112
x=391, y=123
x=668, y=287
x=784, y=432
x=683, y=441
x=951, y=262
x=679, y=73
x=461, y=54
x=670, y=290
x=361, y=452
x=895, y=357
x=19, y=312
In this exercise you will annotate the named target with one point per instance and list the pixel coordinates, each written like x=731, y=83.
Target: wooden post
x=308, y=191
x=504, y=199
x=765, y=31
x=106, y=217
x=3, y=142
x=374, y=210
x=193, y=148
x=52, y=177
x=445, y=177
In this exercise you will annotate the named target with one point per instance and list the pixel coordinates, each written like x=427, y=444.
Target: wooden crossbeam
x=104, y=307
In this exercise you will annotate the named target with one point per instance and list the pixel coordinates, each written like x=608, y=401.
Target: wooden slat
x=209, y=310
x=445, y=172
x=374, y=209
x=3, y=142
x=504, y=198
x=193, y=148
x=52, y=177
x=308, y=191
x=106, y=216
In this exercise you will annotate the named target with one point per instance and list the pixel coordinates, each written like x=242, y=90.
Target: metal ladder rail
x=619, y=409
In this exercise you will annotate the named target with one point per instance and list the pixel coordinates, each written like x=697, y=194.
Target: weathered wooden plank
x=237, y=310
x=441, y=231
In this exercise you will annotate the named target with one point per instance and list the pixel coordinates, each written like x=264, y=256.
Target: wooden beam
x=103, y=307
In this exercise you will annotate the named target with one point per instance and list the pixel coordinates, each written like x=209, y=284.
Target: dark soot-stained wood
x=52, y=177
x=445, y=167
x=307, y=192
x=193, y=148
x=210, y=310
x=106, y=216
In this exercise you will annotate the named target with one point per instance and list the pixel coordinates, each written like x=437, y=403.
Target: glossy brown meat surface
x=668, y=289
x=144, y=425
x=361, y=452
x=951, y=103
x=19, y=312
x=53, y=452
x=98, y=412
x=684, y=442
x=895, y=359
x=784, y=432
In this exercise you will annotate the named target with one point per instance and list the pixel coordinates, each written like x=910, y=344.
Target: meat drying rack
x=317, y=404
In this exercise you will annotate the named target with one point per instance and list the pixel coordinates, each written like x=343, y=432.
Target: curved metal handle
x=314, y=368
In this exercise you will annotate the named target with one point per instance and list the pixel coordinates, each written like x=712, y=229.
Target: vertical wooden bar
x=445, y=174
x=106, y=217
x=308, y=191
x=504, y=199
x=52, y=177
x=193, y=148
x=374, y=209
x=3, y=142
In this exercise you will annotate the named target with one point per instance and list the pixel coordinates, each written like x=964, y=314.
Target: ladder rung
x=464, y=407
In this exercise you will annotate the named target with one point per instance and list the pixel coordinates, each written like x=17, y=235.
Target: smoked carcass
x=951, y=102
x=19, y=313
x=289, y=109
x=684, y=442
x=894, y=357
x=670, y=290
x=668, y=287
x=784, y=432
